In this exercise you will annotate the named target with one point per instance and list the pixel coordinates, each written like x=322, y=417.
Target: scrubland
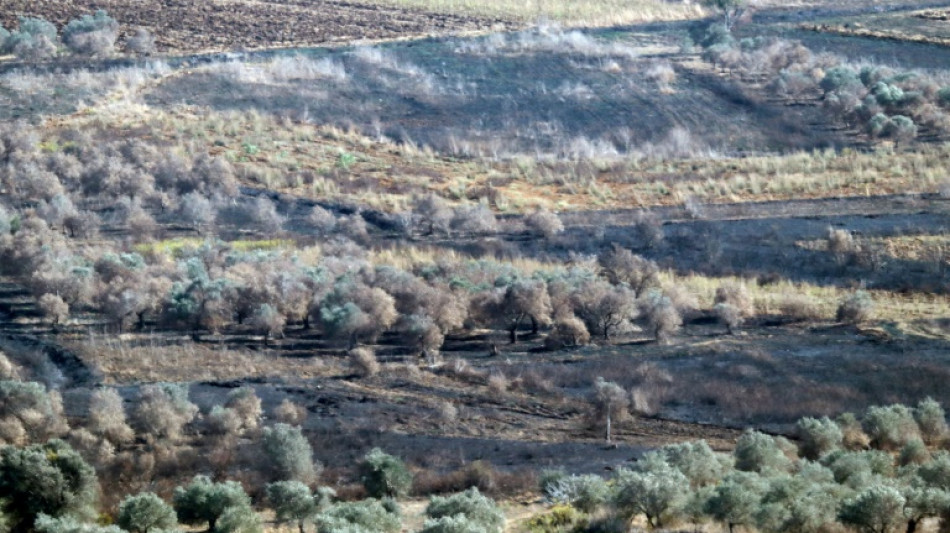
x=565, y=276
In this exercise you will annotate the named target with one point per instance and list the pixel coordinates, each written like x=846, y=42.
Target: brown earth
x=186, y=26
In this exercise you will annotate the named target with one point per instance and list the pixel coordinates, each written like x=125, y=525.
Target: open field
x=236, y=24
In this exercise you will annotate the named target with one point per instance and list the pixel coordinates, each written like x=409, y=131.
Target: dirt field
x=213, y=25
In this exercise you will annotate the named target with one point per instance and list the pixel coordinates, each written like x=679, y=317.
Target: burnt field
x=489, y=256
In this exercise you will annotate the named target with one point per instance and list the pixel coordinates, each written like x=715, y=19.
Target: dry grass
x=570, y=12
x=124, y=362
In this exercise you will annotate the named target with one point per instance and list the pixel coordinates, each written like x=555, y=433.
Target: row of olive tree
x=884, y=471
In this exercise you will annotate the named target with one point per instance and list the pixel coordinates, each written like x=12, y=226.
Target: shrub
x=736, y=295
x=91, y=35
x=434, y=213
x=932, y=421
x=384, y=475
x=49, y=479
x=472, y=505
x=146, y=512
x=544, y=223
x=363, y=361
x=68, y=524
x=838, y=78
x=29, y=413
x=205, y=502
x=141, y=43
x=245, y=402
x=54, y=308
x=568, y=331
x=369, y=516
x=729, y=315
x=818, y=437
x=290, y=413
x=239, y=519
x=107, y=416
x=35, y=39
x=855, y=308
x=890, y=427
x=586, y=493
x=659, y=315
x=164, y=410
x=620, y=265
x=288, y=454
x=914, y=452
x=453, y=524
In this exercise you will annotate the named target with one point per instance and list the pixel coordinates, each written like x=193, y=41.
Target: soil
x=187, y=26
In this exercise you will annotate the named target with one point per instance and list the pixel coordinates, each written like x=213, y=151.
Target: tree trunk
x=513, y=334
x=534, y=326
x=608, y=426
x=912, y=525
x=141, y=321
x=300, y=526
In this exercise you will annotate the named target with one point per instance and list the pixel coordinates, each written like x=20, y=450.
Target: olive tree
x=758, y=452
x=384, y=475
x=287, y=453
x=146, y=512
x=818, y=436
x=204, y=502
x=932, y=421
x=610, y=404
x=292, y=501
x=878, y=509
x=736, y=500
x=655, y=489
x=49, y=479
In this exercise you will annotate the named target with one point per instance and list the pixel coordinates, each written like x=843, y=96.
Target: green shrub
x=384, y=475
x=471, y=504
x=368, y=516
x=560, y=518
x=35, y=38
x=453, y=524
x=239, y=519
x=932, y=421
x=67, y=524
x=205, y=502
x=891, y=426
x=586, y=493
x=91, y=35
x=697, y=461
